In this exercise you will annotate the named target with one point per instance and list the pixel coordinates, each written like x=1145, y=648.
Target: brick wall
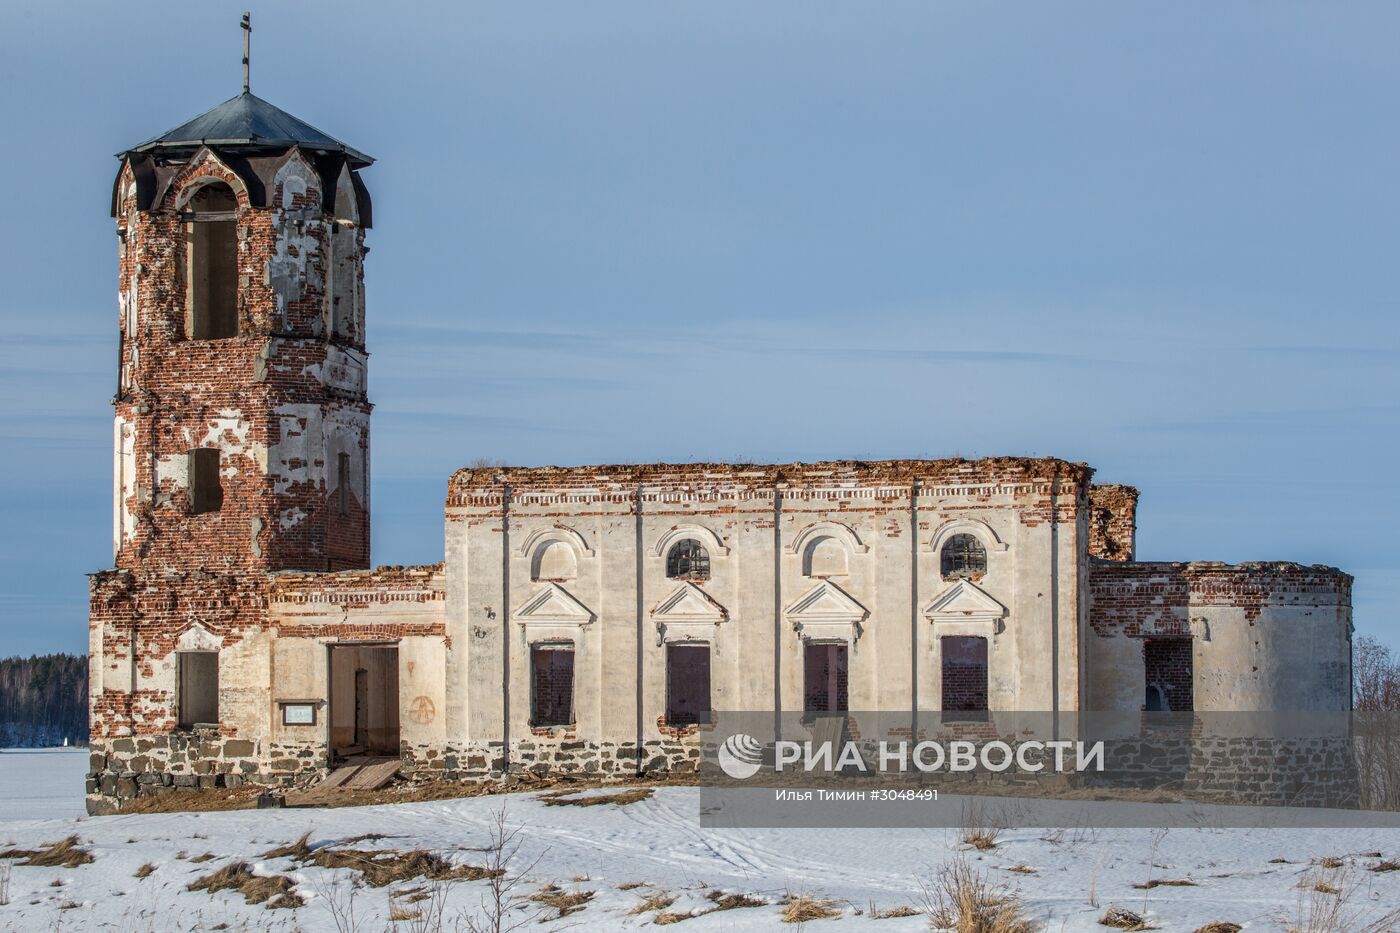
x=1113, y=522
x=272, y=399
x=964, y=673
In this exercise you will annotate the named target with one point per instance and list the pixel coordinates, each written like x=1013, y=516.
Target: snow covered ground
x=1067, y=877
x=42, y=783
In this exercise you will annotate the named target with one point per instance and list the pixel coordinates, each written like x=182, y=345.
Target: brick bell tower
x=242, y=421
x=241, y=430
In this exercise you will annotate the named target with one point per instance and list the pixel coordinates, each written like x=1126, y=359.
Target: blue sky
x=1156, y=240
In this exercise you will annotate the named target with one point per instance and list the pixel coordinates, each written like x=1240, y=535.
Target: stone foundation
x=132, y=768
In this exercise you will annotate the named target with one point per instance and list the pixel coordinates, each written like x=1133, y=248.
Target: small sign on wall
x=298, y=712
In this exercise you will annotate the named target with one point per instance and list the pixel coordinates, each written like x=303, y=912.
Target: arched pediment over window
x=553, y=560
x=179, y=195
x=826, y=548
x=554, y=553
x=825, y=556
x=984, y=533
x=711, y=541
x=198, y=638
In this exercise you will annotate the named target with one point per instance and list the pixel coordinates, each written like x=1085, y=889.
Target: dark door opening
x=824, y=677
x=964, y=676
x=552, y=684
x=364, y=701
x=1168, y=668
x=362, y=707
x=687, y=684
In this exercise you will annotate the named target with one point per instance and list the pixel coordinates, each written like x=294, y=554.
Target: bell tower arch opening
x=211, y=263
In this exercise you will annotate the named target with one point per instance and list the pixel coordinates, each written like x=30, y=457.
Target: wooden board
x=828, y=730
x=339, y=776
x=375, y=776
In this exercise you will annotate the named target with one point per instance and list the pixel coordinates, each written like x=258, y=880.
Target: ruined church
x=584, y=619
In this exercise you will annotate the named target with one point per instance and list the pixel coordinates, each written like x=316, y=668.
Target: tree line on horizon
x=44, y=700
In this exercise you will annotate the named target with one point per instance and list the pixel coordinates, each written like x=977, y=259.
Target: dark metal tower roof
x=249, y=121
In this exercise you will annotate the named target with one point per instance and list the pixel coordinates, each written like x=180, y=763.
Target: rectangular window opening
x=825, y=677
x=206, y=490
x=1169, y=674
x=343, y=483
x=197, y=677
x=687, y=685
x=213, y=279
x=964, y=676
x=552, y=685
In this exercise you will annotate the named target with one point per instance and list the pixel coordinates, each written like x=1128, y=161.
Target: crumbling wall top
x=952, y=471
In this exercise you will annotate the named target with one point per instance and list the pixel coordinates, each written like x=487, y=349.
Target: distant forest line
x=43, y=701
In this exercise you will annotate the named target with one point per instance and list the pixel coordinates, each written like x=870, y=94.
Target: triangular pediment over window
x=965, y=602
x=554, y=605
x=689, y=603
x=826, y=611
x=687, y=613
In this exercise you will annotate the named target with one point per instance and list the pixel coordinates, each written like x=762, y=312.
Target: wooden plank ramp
x=354, y=775
x=374, y=776
x=339, y=776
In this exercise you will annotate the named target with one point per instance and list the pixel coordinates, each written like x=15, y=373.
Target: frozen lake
x=42, y=783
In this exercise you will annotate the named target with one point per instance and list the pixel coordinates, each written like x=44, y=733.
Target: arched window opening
x=555, y=561
x=211, y=234
x=344, y=292
x=825, y=557
x=688, y=560
x=964, y=556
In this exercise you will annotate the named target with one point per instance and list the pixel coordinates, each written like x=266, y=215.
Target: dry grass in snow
x=275, y=890
x=961, y=899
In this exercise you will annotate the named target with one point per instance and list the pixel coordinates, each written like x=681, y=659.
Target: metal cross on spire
x=247, y=37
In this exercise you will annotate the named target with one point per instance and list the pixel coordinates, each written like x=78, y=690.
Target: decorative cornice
x=626, y=499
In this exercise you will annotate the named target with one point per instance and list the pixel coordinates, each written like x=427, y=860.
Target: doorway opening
x=364, y=701
x=964, y=677
x=824, y=677
x=1168, y=673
